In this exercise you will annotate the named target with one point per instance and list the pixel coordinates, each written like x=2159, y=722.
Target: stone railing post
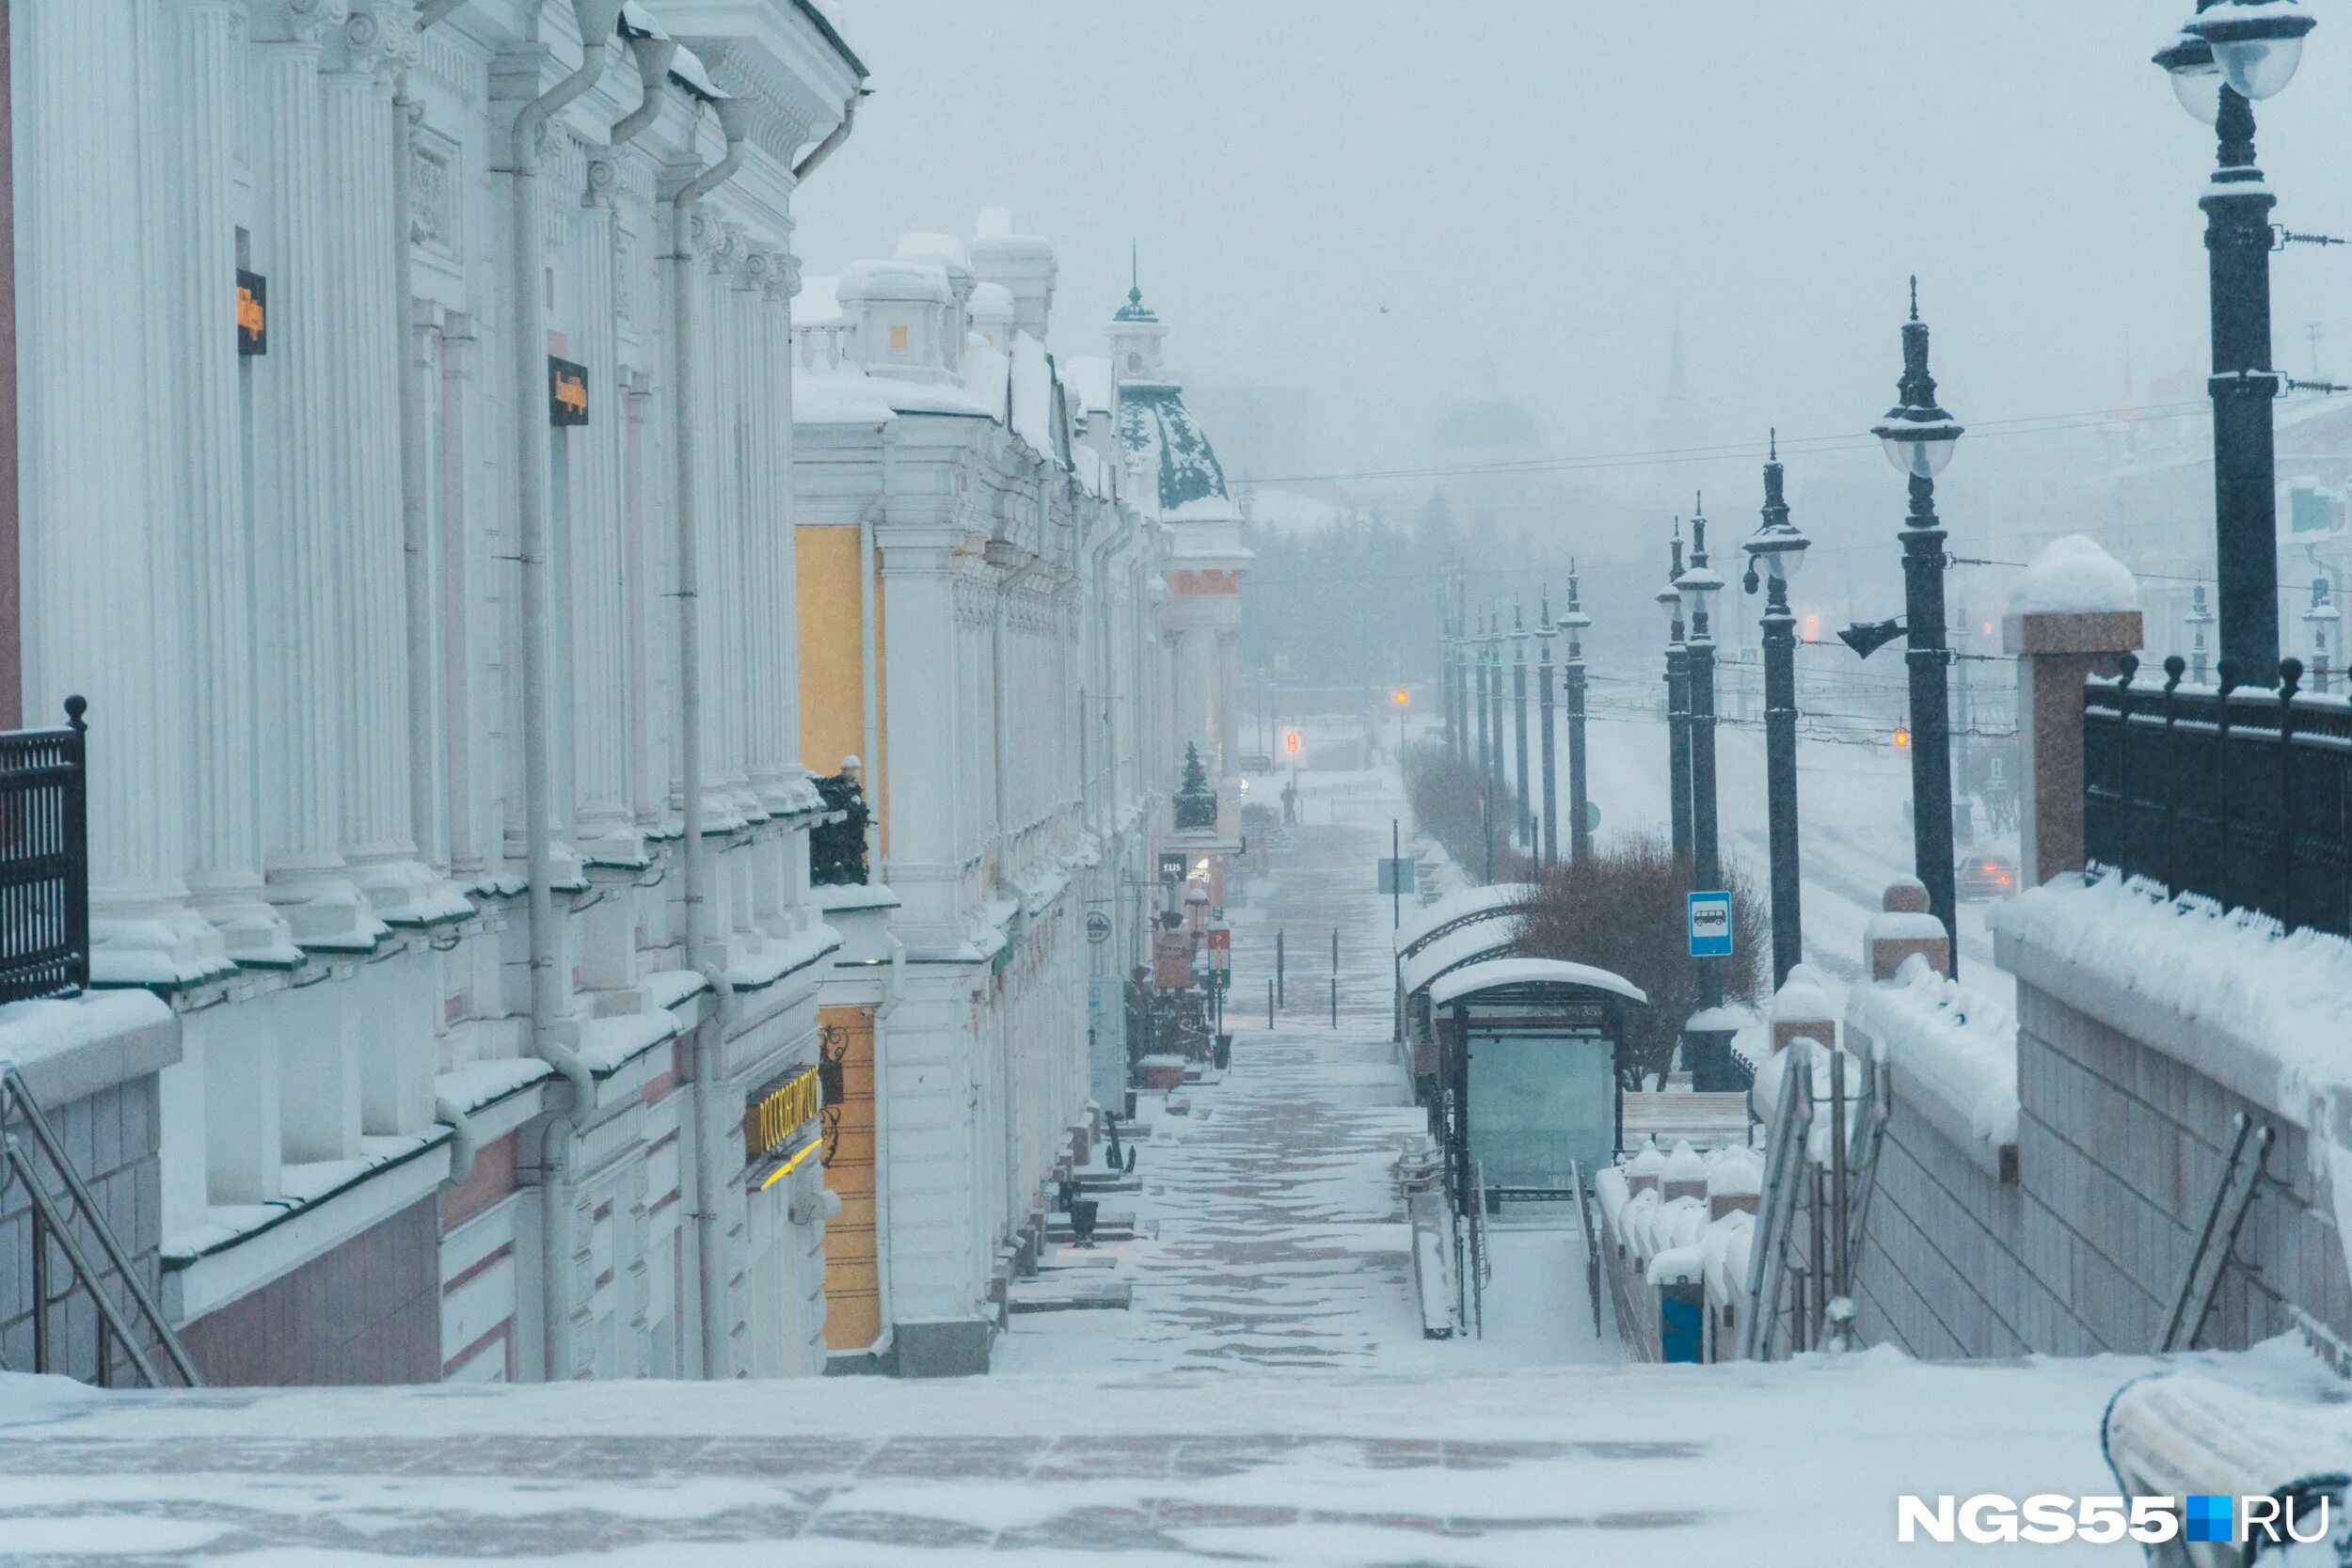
x=2055, y=653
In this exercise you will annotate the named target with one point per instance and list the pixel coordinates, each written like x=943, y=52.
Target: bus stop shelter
x=1531, y=1056
x=1494, y=936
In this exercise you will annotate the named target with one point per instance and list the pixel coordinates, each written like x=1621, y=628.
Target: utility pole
x=1548, y=852
x=1574, y=623
x=1518, y=723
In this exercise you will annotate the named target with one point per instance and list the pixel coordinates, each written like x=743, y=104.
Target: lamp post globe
x=2256, y=44
x=2187, y=61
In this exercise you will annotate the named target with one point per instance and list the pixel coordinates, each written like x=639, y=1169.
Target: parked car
x=1986, y=876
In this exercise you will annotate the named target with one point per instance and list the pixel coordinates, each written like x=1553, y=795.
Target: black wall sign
x=252, y=312
x=568, y=391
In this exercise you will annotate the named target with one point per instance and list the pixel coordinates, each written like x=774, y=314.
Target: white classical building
x=980, y=641
x=406, y=461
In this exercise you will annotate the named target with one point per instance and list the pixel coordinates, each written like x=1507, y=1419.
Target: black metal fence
x=44, y=860
x=2238, y=794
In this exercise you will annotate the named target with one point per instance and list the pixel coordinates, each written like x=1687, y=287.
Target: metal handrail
x=1784, y=1158
x=14, y=1092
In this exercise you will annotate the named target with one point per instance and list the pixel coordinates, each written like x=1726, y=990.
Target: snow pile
x=2072, y=576
x=2262, y=1011
x=1941, y=1037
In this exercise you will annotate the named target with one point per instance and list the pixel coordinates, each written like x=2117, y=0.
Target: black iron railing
x=44, y=860
x=2239, y=794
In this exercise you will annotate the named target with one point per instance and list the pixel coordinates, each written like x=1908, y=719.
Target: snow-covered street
x=1266, y=1398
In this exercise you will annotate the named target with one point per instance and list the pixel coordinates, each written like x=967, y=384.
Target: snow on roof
x=1801, y=996
x=992, y=301
x=1496, y=973
x=840, y=397
x=1485, y=938
x=1469, y=904
x=2074, y=576
x=819, y=303
x=1089, y=378
x=921, y=281
x=1033, y=396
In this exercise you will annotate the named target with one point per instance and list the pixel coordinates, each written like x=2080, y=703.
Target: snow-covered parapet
x=2265, y=1013
x=1949, y=1052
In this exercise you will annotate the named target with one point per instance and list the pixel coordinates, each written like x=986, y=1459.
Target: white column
x=786, y=594
x=651, y=634
x=193, y=50
x=720, y=812
x=299, y=527
x=932, y=780
x=99, y=551
x=366, y=327
x=606, y=828
x=729, y=317
x=768, y=615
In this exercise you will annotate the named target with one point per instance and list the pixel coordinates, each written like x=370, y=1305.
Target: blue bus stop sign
x=1711, y=925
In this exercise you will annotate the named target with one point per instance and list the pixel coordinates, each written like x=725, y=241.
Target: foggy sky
x=1538, y=189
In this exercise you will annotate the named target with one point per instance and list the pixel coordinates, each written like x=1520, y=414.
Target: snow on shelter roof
x=1464, y=985
x=1474, y=903
x=1465, y=945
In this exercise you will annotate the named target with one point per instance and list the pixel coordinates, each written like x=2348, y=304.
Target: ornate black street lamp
x=1524, y=798
x=1547, y=848
x=1699, y=585
x=1459, y=692
x=1574, y=623
x=2230, y=55
x=1776, y=551
x=1678, y=702
x=1919, y=439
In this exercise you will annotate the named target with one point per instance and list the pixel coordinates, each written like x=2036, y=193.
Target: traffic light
x=1902, y=737
x=1402, y=697
x=1290, y=741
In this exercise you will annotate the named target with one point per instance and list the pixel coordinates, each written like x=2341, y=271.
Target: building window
x=897, y=340
x=1134, y=361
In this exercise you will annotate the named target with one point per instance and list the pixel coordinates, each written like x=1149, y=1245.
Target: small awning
x=1539, y=979
x=1465, y=944
x=1491, y=902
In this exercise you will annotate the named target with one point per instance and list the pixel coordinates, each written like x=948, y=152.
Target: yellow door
x=845, y=1039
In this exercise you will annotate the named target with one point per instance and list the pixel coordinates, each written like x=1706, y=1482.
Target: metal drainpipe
x=652, y=76
x=596, y=20
x=709, y=1237
x=833, y=138
x=868, y=604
